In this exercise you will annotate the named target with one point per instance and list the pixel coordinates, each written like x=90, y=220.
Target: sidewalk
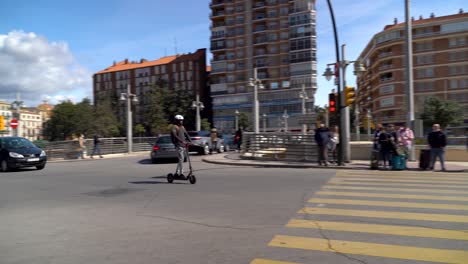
x=105, y=156
x=235, y=160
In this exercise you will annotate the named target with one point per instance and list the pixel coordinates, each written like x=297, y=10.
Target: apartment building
x=440, y=67
x=277, y=37
x=184, y=71
x=30, y=124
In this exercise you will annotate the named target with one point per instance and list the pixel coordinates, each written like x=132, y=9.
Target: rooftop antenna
x=175, y=45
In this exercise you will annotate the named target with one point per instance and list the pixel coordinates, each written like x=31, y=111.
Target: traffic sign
x=14, y=123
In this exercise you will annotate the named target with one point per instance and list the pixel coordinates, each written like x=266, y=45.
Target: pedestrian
x=405, y=139
x=385, y=146
x=213, y=140
x=437, y=141
x=377, y=132
x=179, y=139
x=322, y=138
x=97, y=147
x=334, y=142
x=81, y=141
x=238, y=138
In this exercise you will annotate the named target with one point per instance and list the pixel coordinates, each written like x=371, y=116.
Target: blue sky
x=51, y=48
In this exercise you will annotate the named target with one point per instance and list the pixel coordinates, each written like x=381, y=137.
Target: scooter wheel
x=170, y=178
x=192, y=179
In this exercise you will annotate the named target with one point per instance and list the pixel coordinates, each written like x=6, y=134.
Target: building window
x=458, y=55
x=424, y=59
x=274, y=85
x=285, y=84
x=423, y=31
x=386, y=77
x=458, y=69
x=390, y=101
x=459, y=84
x=387, y=37
x=425, y=73
x=425, y=45
x=457, y=41
x=424, y=86
x=387, y=89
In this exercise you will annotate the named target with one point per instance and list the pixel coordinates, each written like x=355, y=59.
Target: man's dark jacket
x=322, y=136
x=437, y=139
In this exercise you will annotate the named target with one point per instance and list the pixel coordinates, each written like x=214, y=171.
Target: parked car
x=163, y=149
x=19, y=152
x=201, y=143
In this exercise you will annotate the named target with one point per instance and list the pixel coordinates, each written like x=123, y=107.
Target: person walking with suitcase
x=437, y=142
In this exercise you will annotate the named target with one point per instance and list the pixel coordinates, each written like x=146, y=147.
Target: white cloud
x=36, y=68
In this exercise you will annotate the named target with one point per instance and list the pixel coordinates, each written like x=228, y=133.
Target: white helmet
x=179, y=117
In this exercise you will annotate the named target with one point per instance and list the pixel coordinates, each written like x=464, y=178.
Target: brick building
x=186, y=70
x=440, y=67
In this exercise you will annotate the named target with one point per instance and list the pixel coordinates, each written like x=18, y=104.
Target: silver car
x=163, y=149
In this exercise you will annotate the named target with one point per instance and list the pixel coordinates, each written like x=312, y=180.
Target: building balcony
x=259, y=5
x=258, y=29
x=214, y=48
x=386, y=67
x=385, y=54
x=258, y=41
x=217, y=14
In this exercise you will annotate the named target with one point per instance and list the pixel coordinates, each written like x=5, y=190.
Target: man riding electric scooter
x=179, y=139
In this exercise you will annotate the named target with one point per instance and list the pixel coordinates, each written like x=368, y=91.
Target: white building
x=30, y=124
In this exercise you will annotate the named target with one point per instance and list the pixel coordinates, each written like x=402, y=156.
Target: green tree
x=205, y=125
x=139, y=130
x=178, y=101
x=437, y=111
x=105, y=121
x=244, y=121
x=62, y=124
x=84, y=117
x=155, y=115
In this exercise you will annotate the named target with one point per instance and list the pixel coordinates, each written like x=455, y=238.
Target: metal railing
x=279, y=146
x=70, y=149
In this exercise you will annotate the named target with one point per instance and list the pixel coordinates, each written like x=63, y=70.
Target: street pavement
x=120, y=209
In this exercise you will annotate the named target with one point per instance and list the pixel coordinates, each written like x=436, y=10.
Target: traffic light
x=332, y=102
x=350, y=95
x=2, y=123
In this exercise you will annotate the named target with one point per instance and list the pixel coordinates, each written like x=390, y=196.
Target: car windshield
x=16, y=143
x=164, y=140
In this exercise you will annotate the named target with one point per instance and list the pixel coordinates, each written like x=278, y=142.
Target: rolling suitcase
x=374, y=160
x=398, y=162
x=424, y=159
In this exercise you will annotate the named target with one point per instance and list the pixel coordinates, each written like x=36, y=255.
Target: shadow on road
x=164, y=161
x=155, y=182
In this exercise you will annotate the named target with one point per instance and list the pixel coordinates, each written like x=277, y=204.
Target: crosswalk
x=378, y=217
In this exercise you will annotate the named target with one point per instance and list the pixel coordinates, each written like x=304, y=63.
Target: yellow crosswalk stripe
x=385, y=214
x=390, y=204
x=403, y=174
x=267, y=261
x=396, y=184
x=395, y=196
x=404, y=177
x=394, y=189
x=400, y=180
x=380, y=229
x=372, y=249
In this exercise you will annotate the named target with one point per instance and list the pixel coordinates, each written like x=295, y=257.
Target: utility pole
x=356, y=121
x=129, y=98
x=198, y=106
x=409, y=74
x=344, y=111
x=304, y=97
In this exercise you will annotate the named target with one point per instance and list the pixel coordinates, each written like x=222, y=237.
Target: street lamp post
x=369, y=124
x=198, y=106
x=256, y=84
x=285, y=116
x=237, y=119
x=356, y=122
x=265, y=116
x=129, y=97
x=304, y=97
x=343, y=110
x=17, y=106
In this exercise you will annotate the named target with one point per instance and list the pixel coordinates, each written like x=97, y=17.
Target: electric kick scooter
x=190, y=177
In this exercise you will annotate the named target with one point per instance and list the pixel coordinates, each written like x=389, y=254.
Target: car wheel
x=4, y=166
x=206, y=150
x=40, y=167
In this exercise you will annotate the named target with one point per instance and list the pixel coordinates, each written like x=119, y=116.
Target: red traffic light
x=332, y=102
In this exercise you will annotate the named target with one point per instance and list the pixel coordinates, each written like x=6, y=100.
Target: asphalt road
x=122, y=210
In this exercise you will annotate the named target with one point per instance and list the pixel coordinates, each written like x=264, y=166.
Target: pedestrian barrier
x=279, y=146
x=70, y=149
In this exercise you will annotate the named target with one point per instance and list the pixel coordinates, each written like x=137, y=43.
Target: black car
x=18, y=152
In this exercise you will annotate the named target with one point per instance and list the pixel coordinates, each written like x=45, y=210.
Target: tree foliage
x=437, y=111
x=244, y=121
